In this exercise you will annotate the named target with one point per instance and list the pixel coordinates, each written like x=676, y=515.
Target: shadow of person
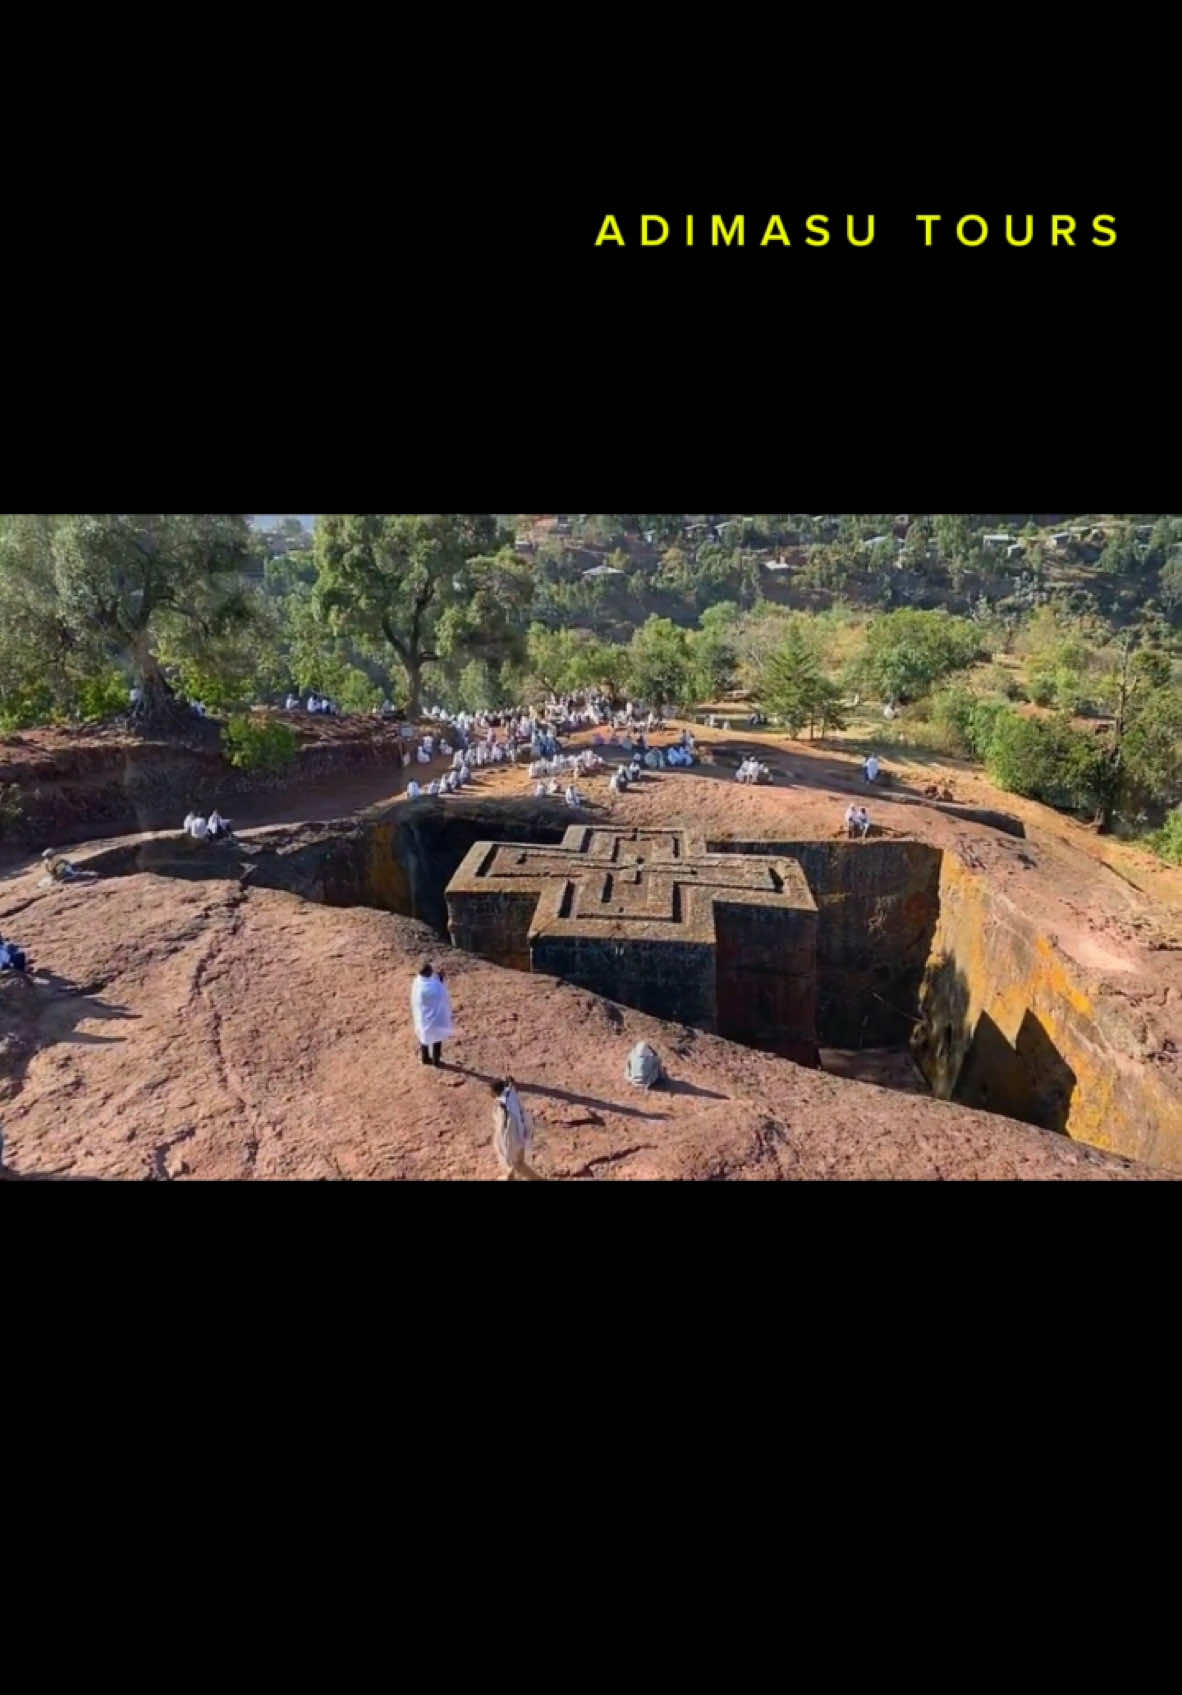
x=675, y=1086
x=563, y=1095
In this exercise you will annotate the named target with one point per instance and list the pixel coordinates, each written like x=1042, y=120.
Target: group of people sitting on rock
x=214, y=828
x=318, y=703
x=484, y=753
x=753, y=770
x=857, y=820
x=549, y=791
x=586, y=761
x=445, y=785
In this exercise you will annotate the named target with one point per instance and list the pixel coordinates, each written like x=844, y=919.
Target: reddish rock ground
x=204, y=1030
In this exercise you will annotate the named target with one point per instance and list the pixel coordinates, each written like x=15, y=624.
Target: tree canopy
x=412, y=581
x=99, y=587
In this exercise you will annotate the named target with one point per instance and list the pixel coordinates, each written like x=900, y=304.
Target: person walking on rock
x=430, y=1005
x=512, y=1131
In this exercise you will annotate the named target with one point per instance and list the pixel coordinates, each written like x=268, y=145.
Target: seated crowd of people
x=857, y=820
x=316, y=703
x=475, y=740
x=753, y=770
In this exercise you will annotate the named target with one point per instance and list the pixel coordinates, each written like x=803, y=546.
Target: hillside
x=272, y=521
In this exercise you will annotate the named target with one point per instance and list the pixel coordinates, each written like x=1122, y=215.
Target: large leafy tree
x=712, y=647
x=487, y=623
x=114, y=587
x=660, y=664
x=393, y=577
x=908, y=650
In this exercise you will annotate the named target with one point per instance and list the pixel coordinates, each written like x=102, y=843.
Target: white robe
x=513, y=1132
x=430, y=1005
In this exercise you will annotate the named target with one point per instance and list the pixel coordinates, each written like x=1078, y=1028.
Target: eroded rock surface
x=184, y=1028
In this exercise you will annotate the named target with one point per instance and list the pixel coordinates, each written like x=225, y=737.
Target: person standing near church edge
x=430, y=1006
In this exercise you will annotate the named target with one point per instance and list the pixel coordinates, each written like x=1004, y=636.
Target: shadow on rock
x=37, y=1011
x=525, y=1088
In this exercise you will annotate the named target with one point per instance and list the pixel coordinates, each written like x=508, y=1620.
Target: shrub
x=952, y=713
x=982, y=722
x=907, y=651
x=1167, y=842
x=357, y=693
x=1041, y=685
x=1045, y=759
x=1000, y=680
x=23, y=707
x=101, y=697
x=258, y=744
x=917, y=733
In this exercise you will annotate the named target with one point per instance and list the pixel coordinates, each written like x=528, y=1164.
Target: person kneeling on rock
x=644, y=1068
x=59, y=868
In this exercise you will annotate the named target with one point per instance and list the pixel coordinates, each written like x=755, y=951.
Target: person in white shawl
x=430, y=1005
x=512, y=1131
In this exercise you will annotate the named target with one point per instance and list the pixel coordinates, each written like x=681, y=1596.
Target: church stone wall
x=648, y=917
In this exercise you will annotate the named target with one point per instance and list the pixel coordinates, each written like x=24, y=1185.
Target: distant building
x=605, y=571
x=997, y=540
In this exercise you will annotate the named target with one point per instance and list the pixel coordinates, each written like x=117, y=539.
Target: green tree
x=954, y=537
x=908, y=650
x=1168, y=840
x=1142, y=757
x=488, y=622
x=393, y=576
x=914, y=553
x=1047, y=760
x=1170, y=583
x=794, y=687
x=712, y=649
x=552, y=657
x=117, y=585
x=1119, y=553
x=660, y=665
x=1165, y=536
